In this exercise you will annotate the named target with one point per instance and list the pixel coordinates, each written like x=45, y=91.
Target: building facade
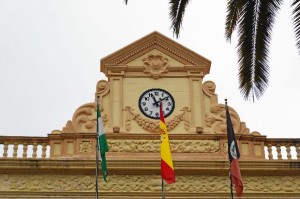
x=196, y=123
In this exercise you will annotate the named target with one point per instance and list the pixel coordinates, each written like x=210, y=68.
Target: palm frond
x=255, y=26
x=245, y=47
x=266, y=14
x=296, y=21
x=177, y=10
x=233, y=9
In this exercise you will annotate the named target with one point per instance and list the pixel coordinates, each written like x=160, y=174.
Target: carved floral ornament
x=155, y=65
x=178, y=146
x=215, y=121
x=85, y=146
x=147, y=183
x=153, y=126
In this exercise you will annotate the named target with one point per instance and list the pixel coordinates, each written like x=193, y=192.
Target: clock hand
x=164, y=98
x=155, y=102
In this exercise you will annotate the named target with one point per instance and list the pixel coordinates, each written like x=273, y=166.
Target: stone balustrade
x=24, y=147
x=282, y=148
x=75, y=145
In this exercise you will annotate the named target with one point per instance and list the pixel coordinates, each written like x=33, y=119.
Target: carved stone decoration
x=38, y=183
x=178, y=146
x=102, y=88
x=272, y=184
x=147, y=184
x=215, y=121
x=84, y=119
x=209, y=88
x=153, y=126
x=155, y=65
x=157, y=41
x=128, y=112
x=186, y=118
x=85, y=146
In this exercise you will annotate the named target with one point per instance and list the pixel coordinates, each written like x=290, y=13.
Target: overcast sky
x=50, y=53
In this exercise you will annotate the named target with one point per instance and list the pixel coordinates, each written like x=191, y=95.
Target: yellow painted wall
x=178, y=88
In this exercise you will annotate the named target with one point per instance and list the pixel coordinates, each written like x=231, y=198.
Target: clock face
x=149, y=103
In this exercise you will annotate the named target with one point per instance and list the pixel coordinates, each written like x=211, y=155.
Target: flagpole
x=97, y=166
x=162, y=180
x=162, y=189
x=231, y=192
x=97, y=151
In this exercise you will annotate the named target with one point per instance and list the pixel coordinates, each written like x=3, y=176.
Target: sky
x=50, y=55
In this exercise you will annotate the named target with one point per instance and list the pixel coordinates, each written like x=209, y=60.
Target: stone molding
x=178, y=146
x=192, y=184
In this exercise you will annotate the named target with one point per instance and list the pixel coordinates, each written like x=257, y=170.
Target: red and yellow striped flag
x=167, y=169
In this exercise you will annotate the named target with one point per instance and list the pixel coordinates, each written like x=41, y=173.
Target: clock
x=149, y=103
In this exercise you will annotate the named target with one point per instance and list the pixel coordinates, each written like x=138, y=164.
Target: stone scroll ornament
x=215, y=121
x=84, y=118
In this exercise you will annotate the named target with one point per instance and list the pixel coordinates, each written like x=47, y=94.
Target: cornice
x=151, y=166
x=152, y=41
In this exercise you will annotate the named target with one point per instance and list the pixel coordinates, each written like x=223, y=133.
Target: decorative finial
x=225, y=101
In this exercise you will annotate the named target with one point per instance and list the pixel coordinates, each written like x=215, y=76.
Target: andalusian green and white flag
x=102, y=142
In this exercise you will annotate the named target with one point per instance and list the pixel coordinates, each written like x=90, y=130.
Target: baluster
x=270, y=155
x=25, y=147
x=278, y=149
x=298, y=151
x=44, y=145
x=288, y=151
x=15, y=148
x=34, y=150
x=5, y=149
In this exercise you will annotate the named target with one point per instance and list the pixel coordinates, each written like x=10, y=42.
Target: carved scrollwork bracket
x=215, y=121
x=102, y=89
x=84, y=119
x=209, y=88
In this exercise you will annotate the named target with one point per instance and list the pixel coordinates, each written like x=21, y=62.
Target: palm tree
x=254, y=20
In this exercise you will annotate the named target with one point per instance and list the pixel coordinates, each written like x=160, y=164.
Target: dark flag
x=234, y=155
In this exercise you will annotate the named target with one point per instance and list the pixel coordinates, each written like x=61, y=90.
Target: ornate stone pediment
x=135, y=53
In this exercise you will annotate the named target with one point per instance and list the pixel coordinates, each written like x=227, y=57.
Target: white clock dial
x=149, y=103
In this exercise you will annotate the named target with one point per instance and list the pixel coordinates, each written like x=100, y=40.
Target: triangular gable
x=155, y=41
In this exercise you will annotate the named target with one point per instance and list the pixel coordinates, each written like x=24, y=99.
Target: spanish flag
x=167, y=169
